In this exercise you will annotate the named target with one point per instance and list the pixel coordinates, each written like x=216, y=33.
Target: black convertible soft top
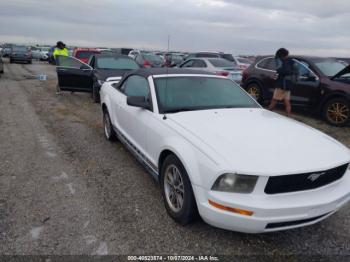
x=146, y=72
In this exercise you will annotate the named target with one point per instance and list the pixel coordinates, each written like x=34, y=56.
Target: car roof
x=146, y=72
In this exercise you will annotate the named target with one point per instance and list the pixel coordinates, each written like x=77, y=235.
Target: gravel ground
x=64, y=189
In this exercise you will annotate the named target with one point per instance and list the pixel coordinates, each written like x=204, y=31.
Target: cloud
x=242, y=27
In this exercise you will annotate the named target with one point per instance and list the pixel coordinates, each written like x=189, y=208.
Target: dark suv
x=322, y=85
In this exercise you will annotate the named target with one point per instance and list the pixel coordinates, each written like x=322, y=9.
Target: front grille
x=305, y=181
x=293, y=223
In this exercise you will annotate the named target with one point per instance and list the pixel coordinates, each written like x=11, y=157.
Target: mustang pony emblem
x=315, y=176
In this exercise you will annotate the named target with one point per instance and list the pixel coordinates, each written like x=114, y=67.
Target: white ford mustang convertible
x=220, y=155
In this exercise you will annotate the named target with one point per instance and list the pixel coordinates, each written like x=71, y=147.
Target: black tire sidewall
x=189, y=209
x=328, y=103
x=112, y=134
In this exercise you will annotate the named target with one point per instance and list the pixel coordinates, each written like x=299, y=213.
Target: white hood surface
x=260, y=142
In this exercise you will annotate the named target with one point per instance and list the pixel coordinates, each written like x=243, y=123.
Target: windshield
x=19, y=49
x=330, y=67
x=116, y=63
x=152, y=58
x=176, y=94
x=221, y=63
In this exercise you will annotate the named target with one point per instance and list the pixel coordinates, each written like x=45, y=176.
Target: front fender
x=199, y=166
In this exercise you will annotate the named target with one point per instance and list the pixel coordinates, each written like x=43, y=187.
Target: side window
x=92, y=61
x=267, y=63
x=199, y=63
x=188, y=64
x=68, y=61
x=304, y=72
x=136, y=86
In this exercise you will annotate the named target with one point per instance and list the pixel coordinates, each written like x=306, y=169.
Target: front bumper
x=273, y=212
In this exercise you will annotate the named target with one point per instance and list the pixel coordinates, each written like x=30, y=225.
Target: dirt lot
x=64, y=189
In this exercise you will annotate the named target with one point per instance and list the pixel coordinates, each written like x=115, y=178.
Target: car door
x=133, y=121
x=305, y=90
x=267, y=74
x=73, y=75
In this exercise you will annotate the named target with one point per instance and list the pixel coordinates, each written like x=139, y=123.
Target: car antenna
x=166, y=79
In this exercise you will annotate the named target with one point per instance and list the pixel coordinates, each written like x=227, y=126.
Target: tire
x=107, y=126
x=255, y=91
x=187, y=212
x=95, y=94
x=336, y=112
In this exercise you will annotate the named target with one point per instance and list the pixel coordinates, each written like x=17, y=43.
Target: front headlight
x=100, y=82
x=235, y=183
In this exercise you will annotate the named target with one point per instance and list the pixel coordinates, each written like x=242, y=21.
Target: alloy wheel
x=174, y=188
x=338, y=112
x=254, y=91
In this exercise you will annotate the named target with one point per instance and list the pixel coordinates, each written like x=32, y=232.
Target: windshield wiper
x=181, y=109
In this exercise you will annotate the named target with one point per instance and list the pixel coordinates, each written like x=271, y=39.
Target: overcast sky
x=317, y=27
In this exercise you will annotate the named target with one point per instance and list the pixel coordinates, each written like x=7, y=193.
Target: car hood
x=344, y=71
x=103, y=74
x=259, y=142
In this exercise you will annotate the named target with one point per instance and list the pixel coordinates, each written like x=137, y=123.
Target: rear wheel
x=177, y=191
x=336, y=112
x=255, y=91
x=108, y=127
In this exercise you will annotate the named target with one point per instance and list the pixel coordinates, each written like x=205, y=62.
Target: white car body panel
x=248, y=141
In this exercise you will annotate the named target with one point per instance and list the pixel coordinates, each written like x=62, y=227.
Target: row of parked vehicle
x=322, y=86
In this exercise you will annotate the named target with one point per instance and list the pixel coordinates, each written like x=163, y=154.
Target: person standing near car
x=285, y=72
x=60, y=50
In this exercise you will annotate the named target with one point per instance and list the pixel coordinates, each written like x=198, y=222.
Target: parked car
x=6, y=50
x=74, y=75
x=149, y=60
x=1, y=66
x=228, y=57
x=20, y=53
x=38, y=54
x=83, y=54
x=241, y=62
x=172, y=59
x=196, y=133
x=218, y=66
x=135, y=52
x=323, y=86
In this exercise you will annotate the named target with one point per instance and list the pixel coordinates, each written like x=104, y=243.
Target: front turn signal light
x=231, y=209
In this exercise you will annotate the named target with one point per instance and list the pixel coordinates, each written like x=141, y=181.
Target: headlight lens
x=100, y=82
x=235, y=183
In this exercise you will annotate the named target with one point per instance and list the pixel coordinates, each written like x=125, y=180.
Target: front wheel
x=108, y=127
x=336, y=112
x=177, y=191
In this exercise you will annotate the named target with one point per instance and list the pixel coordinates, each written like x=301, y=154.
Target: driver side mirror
x=138, y=101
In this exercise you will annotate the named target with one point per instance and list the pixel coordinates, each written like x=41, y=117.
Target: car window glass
x=303, y=69
x=188, y=64
x=267, y=63
x=199, y=63
x=136, y=86
x=123, y=63
x=67, y=61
